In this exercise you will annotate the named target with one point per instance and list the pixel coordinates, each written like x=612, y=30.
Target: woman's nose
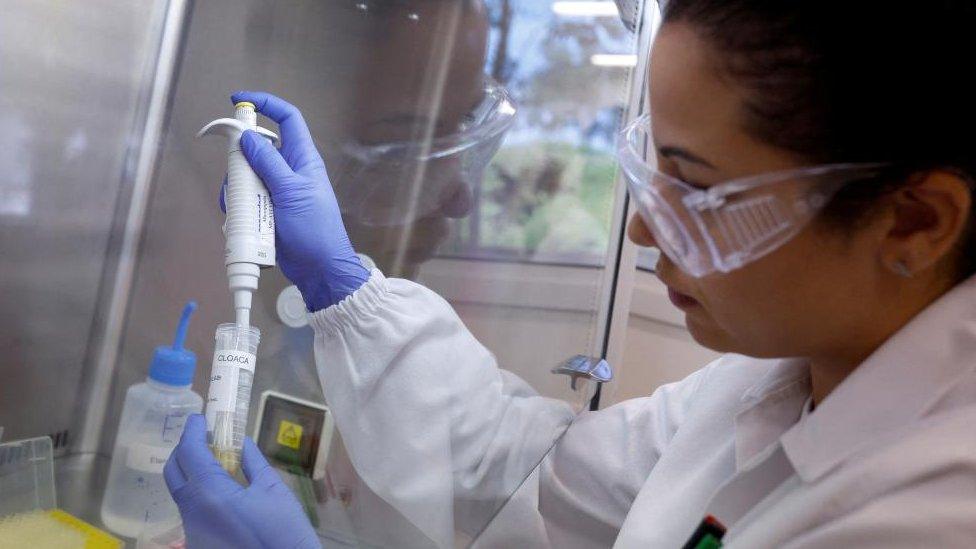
x=639, y=233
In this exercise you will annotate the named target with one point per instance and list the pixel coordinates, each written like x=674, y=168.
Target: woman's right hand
x=313, y=249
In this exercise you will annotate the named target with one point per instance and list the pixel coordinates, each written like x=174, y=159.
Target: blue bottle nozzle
x=174, y=365
x=183, y=325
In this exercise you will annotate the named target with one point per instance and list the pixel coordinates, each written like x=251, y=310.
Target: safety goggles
x=396, y=183
x=729, y=225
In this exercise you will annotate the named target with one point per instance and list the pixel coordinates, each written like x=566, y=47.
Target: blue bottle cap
x=174, y=365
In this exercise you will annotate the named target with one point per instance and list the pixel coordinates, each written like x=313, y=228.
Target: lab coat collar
x=770, y=407
x=903, y=380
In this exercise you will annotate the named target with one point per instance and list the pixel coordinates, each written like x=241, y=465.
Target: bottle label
x=147, y=458
x=224, y=376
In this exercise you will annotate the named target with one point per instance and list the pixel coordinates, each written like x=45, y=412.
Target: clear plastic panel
x=471, y=146
x=72, y=79
x=26, y=476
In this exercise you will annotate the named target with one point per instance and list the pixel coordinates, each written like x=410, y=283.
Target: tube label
x=224, y=378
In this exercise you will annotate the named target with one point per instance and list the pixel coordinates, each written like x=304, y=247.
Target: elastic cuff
x=363, y=303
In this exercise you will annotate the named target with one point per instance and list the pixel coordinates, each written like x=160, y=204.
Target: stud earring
x=901, y=269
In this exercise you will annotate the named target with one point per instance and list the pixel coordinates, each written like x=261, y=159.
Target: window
x=548, y=194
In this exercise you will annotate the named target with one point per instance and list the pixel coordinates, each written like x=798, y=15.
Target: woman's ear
x=929, y=217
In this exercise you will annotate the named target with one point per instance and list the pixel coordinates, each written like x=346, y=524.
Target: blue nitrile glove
x=219, y=513
x=313, y=248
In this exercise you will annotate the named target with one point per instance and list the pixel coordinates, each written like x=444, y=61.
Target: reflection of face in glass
x=399, y=182
x=418, y=94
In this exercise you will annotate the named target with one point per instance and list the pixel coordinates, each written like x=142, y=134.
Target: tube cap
x=291, y=308
x=174, y=365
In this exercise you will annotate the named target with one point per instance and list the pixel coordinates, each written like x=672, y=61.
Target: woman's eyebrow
x=684, y=154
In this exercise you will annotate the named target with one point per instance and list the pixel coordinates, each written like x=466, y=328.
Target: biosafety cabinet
x=471, y=147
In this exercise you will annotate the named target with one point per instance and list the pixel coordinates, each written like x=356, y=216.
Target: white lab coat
x=433, y=425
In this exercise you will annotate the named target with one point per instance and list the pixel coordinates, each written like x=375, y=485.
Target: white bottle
x=153, y=417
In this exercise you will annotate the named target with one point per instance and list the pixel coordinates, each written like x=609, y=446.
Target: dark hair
x=858, y=81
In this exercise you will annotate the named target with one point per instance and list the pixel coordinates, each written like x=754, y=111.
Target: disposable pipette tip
x=243, y=318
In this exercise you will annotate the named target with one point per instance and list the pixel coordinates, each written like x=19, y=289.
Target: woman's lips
x=681, y=300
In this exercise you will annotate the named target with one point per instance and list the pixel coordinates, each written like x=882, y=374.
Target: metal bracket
x=585, y=367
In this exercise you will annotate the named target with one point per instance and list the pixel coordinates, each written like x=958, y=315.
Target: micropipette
x=249, y=238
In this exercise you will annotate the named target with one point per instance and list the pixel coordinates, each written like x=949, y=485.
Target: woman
x=836, y=230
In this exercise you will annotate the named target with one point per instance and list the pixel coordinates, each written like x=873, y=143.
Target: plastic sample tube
x=229, y=397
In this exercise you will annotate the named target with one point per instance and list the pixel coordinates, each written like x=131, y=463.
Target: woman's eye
x=673, y=169
x=690, y=182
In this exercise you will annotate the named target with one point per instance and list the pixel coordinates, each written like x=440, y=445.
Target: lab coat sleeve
x=591, y=478
x=586, y=486
x=430, y=422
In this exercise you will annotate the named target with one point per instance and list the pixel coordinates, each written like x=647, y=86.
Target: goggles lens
x=726, y=226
